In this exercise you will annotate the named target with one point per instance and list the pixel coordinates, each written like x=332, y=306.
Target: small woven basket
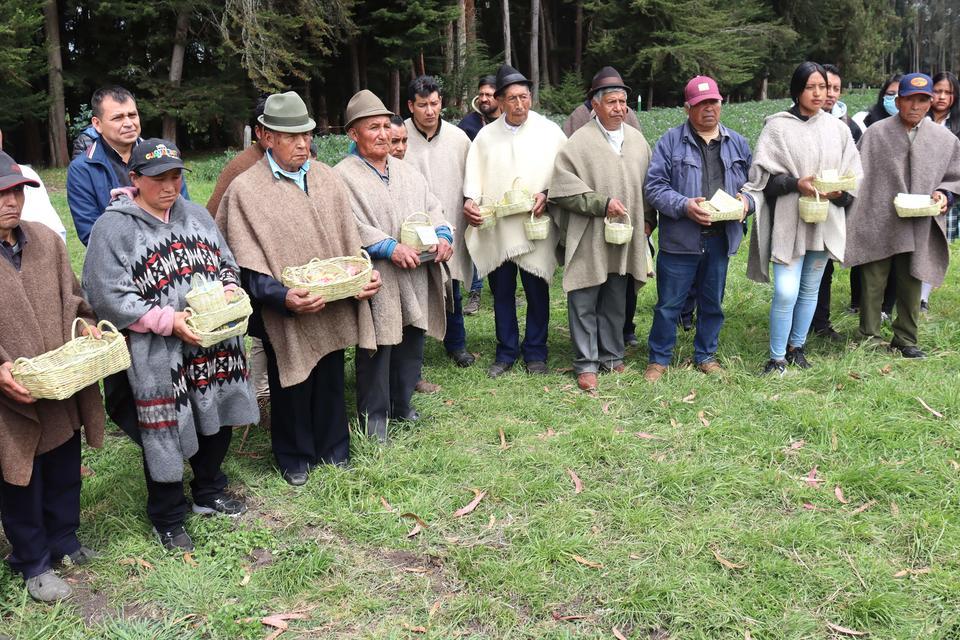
x=219, y=334
x=205, y=296
x=813, y=210
x=618, y=232
x=845, y=183
x=237, y=309
x=717, y=215
x=537, y=228
x=932, y=209
x=60, y=373
x=488, y=213
x=331, y=279
x=408, y=230
x=516, y=200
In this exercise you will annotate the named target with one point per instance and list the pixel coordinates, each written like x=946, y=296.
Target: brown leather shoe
x=620, y=368
x=426, y=387
x=654, y=372
x=710, y=367
x=587, y=381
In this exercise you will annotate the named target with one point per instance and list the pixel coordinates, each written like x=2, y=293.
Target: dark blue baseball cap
x=915, y=83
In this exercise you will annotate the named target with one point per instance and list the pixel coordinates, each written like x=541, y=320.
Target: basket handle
x=606, y=219
x=421, y=214
x=516, y=183
x=73, y=330
x=366, y=256
x=106, y=324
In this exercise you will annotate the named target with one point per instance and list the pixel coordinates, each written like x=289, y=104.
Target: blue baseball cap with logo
x=915, y=83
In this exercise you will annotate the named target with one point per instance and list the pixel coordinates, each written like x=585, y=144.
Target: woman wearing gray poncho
x=143, y=253
x=794, y=146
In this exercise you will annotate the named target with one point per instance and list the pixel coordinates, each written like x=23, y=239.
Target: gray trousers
x=386, y=378
x=257, y=359
x=596, y=316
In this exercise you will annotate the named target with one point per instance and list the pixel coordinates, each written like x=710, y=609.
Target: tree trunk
x=32, y=146
x=578, y=39
x=363, y=65
x=544, y=55
x=449, y=52
x=763, y=87
x=551, y=60
x=354, y=66
x=323, y=119
x=395, y=90
x=506, y=33
x=59, y=153
x=470, y=20
x=535, y=49
x=176, y=69
x=461, y=57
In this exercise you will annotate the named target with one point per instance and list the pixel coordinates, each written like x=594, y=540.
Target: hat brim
x=707, y=96
x=368, y=114
x=594, y=90
x=162, y=167
x=497, y=92
x=9, y=182
x=915, y=92
x=304, y=127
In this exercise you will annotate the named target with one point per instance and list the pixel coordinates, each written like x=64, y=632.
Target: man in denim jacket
x=690, y=163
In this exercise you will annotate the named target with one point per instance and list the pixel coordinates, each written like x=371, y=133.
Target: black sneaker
x=796, y=358
x=774, y=366
x=461, y=358
x=909, y=352
x=924, y=306
x=685, y=322
x=221, y=505
x=175, y=539
x=830, y=334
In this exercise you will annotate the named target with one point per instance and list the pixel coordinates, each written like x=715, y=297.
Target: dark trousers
x=456, y=337
x=676, y=274
x=503, y=285
x=309, y=419
x=821, y=315
x=875, y=276
x=889, y=292
x=41, y=519
x=477, y=283
x=629, y=326
x=386, y=378
x=166, y=502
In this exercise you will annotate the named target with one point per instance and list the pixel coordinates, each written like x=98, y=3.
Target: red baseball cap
x=701, y=88
x=10, y=174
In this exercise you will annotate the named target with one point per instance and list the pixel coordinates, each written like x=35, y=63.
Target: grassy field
x=817, y=505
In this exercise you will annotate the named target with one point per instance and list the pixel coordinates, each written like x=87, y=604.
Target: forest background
x=197, y=66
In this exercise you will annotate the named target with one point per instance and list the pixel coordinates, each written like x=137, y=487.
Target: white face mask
x=839, y=109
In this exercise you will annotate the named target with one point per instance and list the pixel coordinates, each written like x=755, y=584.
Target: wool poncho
x=588, y=163
x=408, y=297
x=789, y=145
x=240, y=163
x=270, y=223
x=37, y=307
x=135, y=263
x=442, y=161
x=497, y=156
x=892, y=165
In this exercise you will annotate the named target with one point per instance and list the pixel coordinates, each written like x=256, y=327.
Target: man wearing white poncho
x=794, y=147
x=520, y=146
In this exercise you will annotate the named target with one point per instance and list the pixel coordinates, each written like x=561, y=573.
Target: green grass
x=652, y=511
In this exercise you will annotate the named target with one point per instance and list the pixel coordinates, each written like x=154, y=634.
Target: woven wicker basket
x=488, y=212
x=237, y=309
x=844, y=183
x=58, y=374
x=932, y=209
x=206, y=296
x=716, y=215
x=408, y=230
x=333, y=278
x=219, y=334
x=813, y=210
x=618, y=232
x=516, y=200
x=537, y=228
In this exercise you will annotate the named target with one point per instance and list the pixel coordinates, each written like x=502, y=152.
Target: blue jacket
x=675, y=175
x=90, y=179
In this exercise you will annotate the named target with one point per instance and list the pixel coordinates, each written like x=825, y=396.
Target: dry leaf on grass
x=449, y=403
x=566, y=618
x=726, y=563
x=417, y=629
x=812, y=479
x=955, y=465
x=618, y=634
x=585, y=562
x=577, y=483
x=415, y=531
x=279, y=622
x=86, y=472
x=746, y=635
x=188, y=559
x=894, y=509
x=415, y=570
x=468, y=509
x=703, y=419
x=418, y=519
x=643, y=435
x=503, y=439
x=546, y=389
x=864, y=506
x=245, y=580
x=795, y=446
x=834, y=443
x=911, y=572
x=435, y=608
x=549, y=433
x=837, y=491
x=854, y=375
x=844, y=630
x=387, y=505
x=929, y=408
x=137, y=561
x=563, y=369
x=605, y=407
x=810, y=507
x=674, y=423
x=886, y=370
x=689, y=398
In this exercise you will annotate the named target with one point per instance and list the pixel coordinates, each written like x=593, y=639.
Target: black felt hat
x=506, y=76
x=606, y=78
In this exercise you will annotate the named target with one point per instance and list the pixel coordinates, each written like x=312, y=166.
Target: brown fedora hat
x=606, y=78
x=364, y=104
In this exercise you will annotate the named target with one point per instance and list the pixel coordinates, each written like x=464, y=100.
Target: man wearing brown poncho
x=284, y=211
x=599, y=175
x=905, y=154
x=385, y=191
x=39, y=439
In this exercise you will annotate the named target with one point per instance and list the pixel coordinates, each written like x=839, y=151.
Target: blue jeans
x=477, y=284
x=796, y=287
x=456, y=337
x=676, y=274
x=503, y=285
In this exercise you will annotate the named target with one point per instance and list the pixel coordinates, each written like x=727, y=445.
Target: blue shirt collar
x=299, y=176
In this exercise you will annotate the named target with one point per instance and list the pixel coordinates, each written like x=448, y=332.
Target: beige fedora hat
x=287, y=113
x=364, y=104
